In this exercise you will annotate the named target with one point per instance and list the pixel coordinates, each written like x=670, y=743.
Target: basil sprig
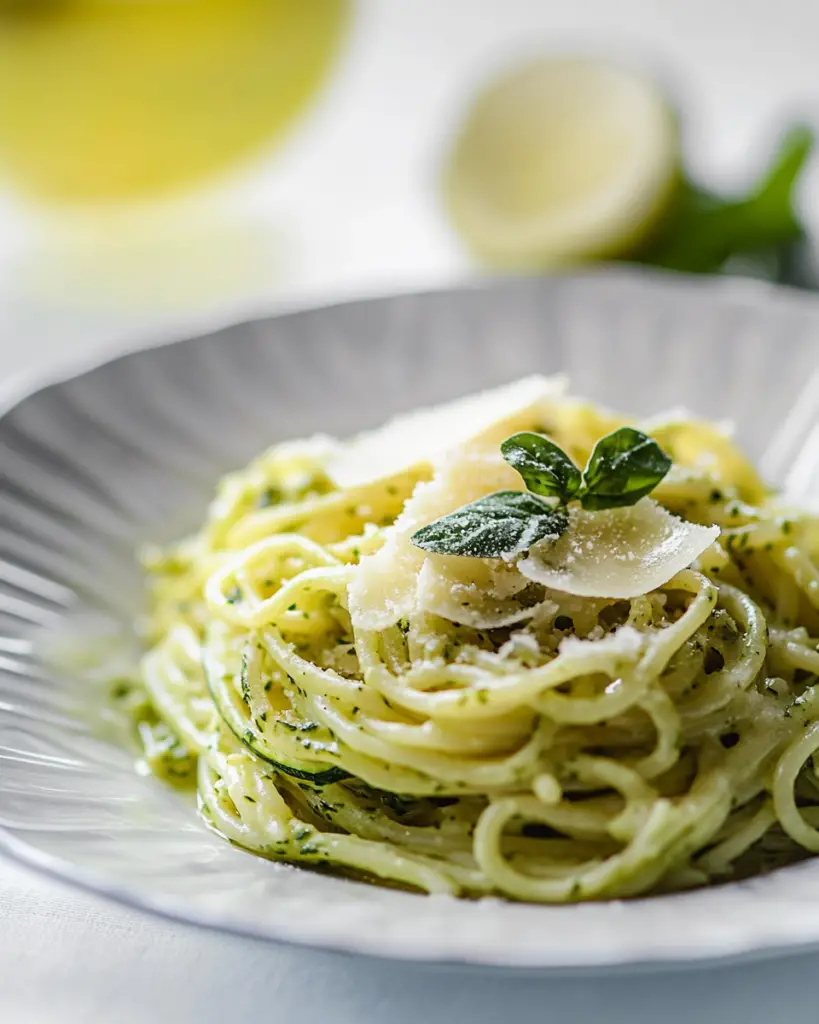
x=501, y=525
x=545, y=468
x=624, y=466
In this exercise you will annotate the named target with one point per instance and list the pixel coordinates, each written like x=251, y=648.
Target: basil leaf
x=624, y=466
x=545, y=468
x=703, y=232
x=500, y=525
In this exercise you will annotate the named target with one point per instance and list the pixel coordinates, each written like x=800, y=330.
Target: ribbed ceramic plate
x=92, y=466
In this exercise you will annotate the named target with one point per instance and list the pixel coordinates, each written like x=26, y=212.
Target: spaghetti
x=341, y=698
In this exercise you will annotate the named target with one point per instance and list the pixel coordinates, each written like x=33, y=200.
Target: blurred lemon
x=111, y=98
x=563, y=160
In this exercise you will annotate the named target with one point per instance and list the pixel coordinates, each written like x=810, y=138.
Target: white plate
x=91, y=466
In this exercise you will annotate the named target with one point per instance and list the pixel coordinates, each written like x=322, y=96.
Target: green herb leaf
x=704, y=233
x=624, y=466
x=499, y=525
x=545, y=468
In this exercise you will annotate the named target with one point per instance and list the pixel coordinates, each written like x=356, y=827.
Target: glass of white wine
x=121, y=98
x=120, y=122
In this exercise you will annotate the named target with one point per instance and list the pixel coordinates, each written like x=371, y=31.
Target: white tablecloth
x=77, y=960
x=349, y=207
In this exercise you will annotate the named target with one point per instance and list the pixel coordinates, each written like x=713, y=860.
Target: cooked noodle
x=500, y=736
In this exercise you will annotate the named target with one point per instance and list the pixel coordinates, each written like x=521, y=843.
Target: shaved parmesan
x=485, y=600
x=385, y=587
x=618, y=553
x=614, y=553
x=415, y=441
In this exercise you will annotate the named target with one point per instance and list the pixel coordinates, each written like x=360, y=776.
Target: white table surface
x=348, y=207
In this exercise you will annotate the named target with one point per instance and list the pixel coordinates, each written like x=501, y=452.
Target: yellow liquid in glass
x=107, y=99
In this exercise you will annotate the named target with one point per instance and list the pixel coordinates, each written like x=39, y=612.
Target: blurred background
x=166, y=161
